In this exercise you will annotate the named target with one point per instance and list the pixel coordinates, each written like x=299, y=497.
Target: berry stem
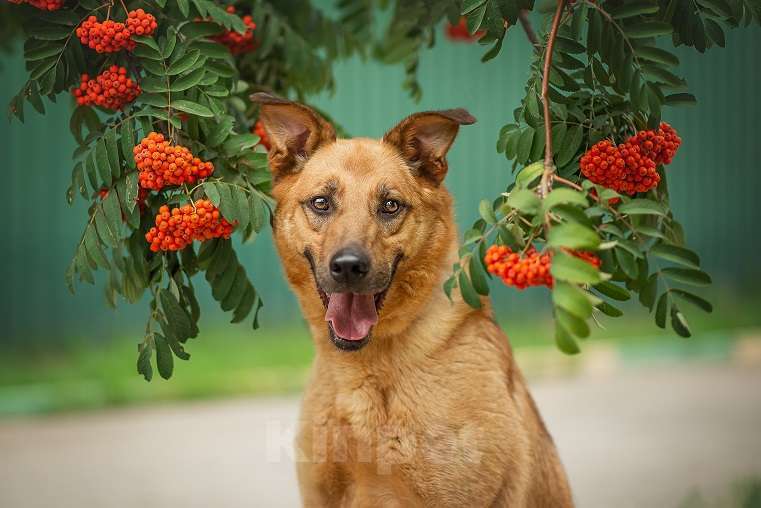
x=569, y=183
x=549, y=164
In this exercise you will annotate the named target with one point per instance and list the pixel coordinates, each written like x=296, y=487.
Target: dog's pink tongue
x=351, y=315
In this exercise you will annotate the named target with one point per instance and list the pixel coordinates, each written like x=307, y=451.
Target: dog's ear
x=425, y=138
x=295, y=131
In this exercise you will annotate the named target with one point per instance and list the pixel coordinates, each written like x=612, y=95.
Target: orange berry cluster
x=161, y=164
x=623, y=168
x=532, y=268
x=631, y=166
x=111, y=89
x=263, y=139
x=660, y=145
x=238, y=43
x=45, y=5
x=111, y=36
x=178, y=227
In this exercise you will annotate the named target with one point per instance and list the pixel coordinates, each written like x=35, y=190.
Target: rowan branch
x=529, y=29
x=549, y=164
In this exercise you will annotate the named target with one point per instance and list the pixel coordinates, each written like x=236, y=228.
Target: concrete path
x=629, y=439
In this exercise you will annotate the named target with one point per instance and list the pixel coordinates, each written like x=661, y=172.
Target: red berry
x=110, y=89
x=623, y=168
x=111, y=36
x=176, y=228
x=161, y=164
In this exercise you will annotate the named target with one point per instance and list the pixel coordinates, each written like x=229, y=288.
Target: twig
x=569, y=183
x=530, y=33
x=549, y=164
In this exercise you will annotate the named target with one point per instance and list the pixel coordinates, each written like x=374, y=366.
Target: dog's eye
x=320, y=204
x=390, y=206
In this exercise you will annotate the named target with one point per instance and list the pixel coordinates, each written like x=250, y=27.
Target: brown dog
x=413, y=400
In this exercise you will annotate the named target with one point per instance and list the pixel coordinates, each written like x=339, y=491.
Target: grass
x=229, y=361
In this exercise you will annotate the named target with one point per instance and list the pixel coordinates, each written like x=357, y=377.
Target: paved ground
x=631, y=439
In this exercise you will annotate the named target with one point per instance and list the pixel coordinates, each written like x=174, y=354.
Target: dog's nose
x=349, y=265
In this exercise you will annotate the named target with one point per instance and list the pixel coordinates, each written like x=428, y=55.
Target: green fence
x=714, y=179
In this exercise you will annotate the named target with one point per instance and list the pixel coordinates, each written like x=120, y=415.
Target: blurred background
x=641, y=417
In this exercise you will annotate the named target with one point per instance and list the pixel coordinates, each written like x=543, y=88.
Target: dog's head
x=361, y=224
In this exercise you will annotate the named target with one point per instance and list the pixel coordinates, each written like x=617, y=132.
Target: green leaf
x=144, y=361
x=102, y=162
x=573, y=236
x=147, y=41
x=237, y=291
x=239, y=142
x=695, y=300
x=681, y=99
x=715, y=32
x=192, y=107
x=486, y=211
x=164, y=358
x=127, y=134
x=113, y=212
x=563, y=195
x=627, y=263
x=679, y=323
x=106, y=234
x=112, y=148
x=661, y=75
x=469, y=6
x=661, y=309
x=648, y=29
x=177, y=317
x=467, y=291
x=529, y=173
x=680, y=255
x=571, y=143
x=631, y=9
x=478, y=275
x=642, y=207
x=566, y=45
x=187, y=81
x=198, y=29
x=610, y=310
x=573, y=269
x=565, y=341
x=524, y=145
x=184, y=63
x=524, y=200
x=220, y=132
x=184, y=7
x=657, y=55
x=227, y=204
x=573, y=324
x=613, y=291
x=687, y=276
x=572, y=298
x=92, y=245
x=241, y=205
x=210, y=189
x=245, y=305
x=649, y=291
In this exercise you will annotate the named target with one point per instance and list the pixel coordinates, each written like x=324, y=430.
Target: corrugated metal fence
x=714, y=180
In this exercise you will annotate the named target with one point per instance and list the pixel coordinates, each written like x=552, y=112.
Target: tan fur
x=433, y=411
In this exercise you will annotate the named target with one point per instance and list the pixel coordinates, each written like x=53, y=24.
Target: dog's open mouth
x=351, y=316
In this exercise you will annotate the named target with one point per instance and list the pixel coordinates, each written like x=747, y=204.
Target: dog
x=413, y=399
